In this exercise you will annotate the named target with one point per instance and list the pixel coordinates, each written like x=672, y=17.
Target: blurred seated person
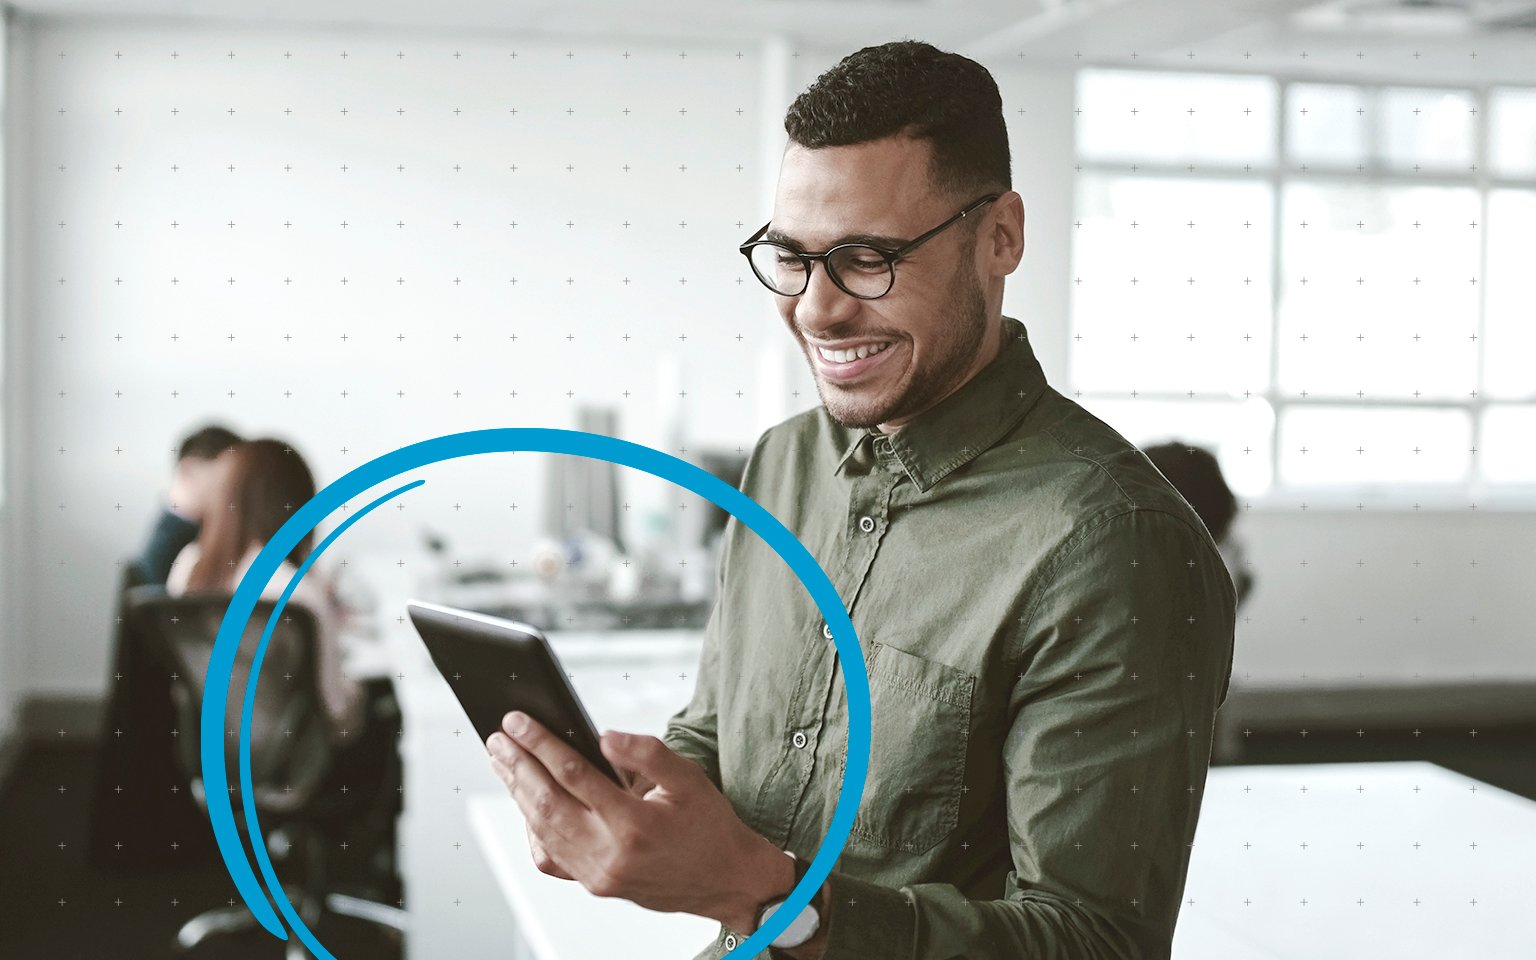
x=1194, y=472
x=179, y=519
x=257, y=484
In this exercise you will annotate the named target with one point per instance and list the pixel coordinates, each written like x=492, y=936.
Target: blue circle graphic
x=502, y=440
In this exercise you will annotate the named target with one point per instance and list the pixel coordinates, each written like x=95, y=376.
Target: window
x=1328, y=284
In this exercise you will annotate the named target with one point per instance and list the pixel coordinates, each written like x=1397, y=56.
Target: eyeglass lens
x=862, y=271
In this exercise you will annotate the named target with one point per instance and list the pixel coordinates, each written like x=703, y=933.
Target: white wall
x=1355, y=596
x=101, y=457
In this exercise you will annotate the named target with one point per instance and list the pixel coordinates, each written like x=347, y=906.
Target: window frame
x=1277, y=173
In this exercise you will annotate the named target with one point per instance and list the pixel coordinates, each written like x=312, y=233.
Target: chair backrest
x=133, y=575
x=290, y=731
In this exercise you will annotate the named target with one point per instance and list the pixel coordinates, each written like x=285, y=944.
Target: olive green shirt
x=1047, y=628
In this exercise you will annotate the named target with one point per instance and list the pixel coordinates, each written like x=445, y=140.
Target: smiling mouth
x=848, y=356
x=843, y=366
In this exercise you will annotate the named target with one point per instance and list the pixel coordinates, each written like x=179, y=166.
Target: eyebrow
x=872, y=239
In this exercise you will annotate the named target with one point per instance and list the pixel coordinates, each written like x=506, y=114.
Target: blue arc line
x=247, y=794
x=213, y=758
x=538, y=440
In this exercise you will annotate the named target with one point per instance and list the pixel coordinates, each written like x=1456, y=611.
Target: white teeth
x=847, y=356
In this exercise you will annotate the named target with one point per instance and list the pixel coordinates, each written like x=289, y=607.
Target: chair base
x=239, y=919
x=381, y=914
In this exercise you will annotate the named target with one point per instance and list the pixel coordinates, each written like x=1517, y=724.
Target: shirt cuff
x=869, y=921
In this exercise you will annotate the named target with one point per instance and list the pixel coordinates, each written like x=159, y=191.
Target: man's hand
x=639, y=786
x=671, y=842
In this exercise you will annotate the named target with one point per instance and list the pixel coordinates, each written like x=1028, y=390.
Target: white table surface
x=463, y=904
x=1240, y=903
x=1396, y=860
x=559, y=919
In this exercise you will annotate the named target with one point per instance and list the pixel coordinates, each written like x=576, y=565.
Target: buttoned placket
x=871, y=477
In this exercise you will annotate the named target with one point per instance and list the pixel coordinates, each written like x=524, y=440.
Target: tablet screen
x=494, y=666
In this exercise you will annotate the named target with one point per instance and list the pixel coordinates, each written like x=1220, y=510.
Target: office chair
x=135, y=760
x=290, y=746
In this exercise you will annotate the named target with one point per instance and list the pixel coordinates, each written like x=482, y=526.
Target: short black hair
x=207, y=443
x=911, y=88
x=1194, y=472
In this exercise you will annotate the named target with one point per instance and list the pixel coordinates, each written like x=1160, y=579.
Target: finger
x=551, y=812
x=575, y=775
x=650, y=758
x=502, y=753
x=542, y=859
x=500, y=749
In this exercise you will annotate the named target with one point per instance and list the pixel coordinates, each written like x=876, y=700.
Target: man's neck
x=999, y=343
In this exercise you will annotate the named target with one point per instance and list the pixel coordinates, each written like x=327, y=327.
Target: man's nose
x=823, y=304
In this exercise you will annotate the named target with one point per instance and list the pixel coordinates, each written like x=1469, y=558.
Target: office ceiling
x=1456, y=40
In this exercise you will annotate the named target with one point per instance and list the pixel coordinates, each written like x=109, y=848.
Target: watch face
x=800, y=929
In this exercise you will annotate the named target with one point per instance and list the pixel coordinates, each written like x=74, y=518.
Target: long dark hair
x=263, y=482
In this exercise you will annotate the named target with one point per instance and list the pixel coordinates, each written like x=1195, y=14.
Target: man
x=1047, y=625
x=191, y=486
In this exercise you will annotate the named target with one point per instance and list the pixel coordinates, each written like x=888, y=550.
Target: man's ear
x=1007, y=234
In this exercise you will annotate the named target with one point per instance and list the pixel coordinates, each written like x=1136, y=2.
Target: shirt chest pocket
x=920, y=725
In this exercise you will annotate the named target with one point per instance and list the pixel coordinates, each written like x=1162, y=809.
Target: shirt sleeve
x=171, y=534
x=1123, y=654
x=694, y=731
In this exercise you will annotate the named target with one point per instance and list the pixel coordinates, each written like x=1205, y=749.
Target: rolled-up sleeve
x=1123, y=653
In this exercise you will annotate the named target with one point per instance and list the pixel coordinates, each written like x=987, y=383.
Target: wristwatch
x=803, y=927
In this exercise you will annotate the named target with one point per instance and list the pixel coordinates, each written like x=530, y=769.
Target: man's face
x=933, y=322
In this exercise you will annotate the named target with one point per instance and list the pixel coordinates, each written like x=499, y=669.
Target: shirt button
x=826, y=631
x=730, y=941
x=866, y=524
x=799, y=739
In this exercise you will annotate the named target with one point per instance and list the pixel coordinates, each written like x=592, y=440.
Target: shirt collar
x=973, y=418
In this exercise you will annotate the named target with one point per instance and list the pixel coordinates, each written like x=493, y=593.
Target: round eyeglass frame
x=890, y=256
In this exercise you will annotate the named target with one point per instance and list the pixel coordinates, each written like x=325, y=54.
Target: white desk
x=1369, y=860
x=558, y=919
x=1240, y=904
x=461, y=903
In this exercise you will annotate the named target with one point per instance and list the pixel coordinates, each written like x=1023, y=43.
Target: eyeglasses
x=859, y=269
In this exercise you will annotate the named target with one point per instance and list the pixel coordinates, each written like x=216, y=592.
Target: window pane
x=1426, y=128
x=1508, y=368
x=1508, y=454
x=1175, y=118
x=1139, y=323
x=1512, y=133
x=1326, y=125
x=1237, y=432
x=1376, y=298
x=1326, y=445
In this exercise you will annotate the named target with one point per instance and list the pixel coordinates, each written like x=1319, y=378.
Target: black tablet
x=494, y=666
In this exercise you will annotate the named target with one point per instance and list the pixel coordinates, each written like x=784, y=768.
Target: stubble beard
x=965, y=327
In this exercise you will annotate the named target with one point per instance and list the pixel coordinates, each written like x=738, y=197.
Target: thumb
x=649, y=757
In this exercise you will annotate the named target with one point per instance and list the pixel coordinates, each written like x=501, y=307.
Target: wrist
x=814, y=948
x=768, y=874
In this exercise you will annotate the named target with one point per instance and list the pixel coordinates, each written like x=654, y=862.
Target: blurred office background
x=1296, y=234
